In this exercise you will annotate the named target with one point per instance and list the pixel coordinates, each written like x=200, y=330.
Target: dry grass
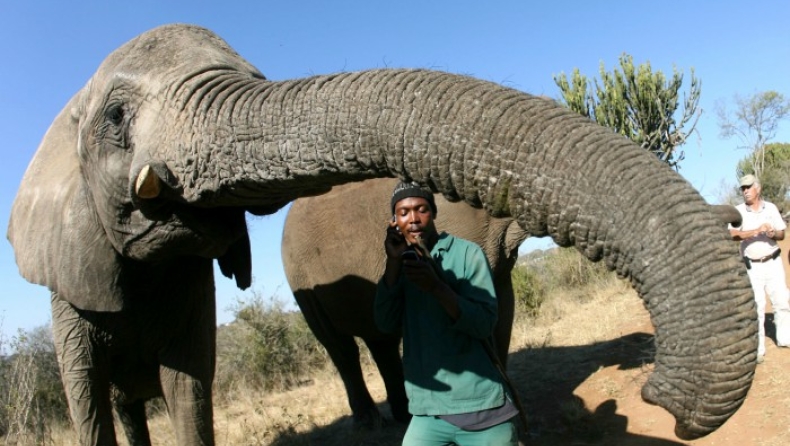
x=542, y=353
x=578, y=369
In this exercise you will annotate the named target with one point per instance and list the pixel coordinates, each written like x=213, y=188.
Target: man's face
x=750, y=193
x=414, y=218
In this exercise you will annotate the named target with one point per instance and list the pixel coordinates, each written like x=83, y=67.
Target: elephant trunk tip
x=684, y=429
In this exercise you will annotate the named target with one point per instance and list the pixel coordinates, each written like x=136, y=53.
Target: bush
x=528, y=290
x=31, y=393
x=266, y=348
x=568, y=269
x=536, y=277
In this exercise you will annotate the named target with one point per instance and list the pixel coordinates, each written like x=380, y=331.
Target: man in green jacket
x=438, y=290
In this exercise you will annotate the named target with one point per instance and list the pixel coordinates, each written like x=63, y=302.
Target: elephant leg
x=186, y=373
x=506, y=307
x=85, y=375
x=345, y=355
x=386, y=353
x=188, y=401
x=344, y=352
x=135, y=425
x=187, y=360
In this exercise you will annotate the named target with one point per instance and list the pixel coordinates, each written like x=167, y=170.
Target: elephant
x=147, y=175
x=329, y=274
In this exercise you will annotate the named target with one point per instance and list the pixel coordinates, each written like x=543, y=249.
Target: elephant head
x=175, y=136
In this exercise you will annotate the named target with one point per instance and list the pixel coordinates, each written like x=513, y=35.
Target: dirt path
x=606, y=408
x=579, y=371
x=579, y=375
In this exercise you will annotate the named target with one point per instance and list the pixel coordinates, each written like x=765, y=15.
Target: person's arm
x=779, y=226
x=765, y=228
x=388, y=305
x=738, y=234
x=473, y=306
x=477, y=301
x=422, y=274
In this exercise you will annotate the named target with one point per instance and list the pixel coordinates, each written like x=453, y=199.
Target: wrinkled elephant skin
x=330, y=273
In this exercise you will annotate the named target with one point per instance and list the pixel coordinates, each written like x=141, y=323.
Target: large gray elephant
x=145, y=176
x=332, y=252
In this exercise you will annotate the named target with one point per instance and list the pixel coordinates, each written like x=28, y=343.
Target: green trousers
x=432, y=431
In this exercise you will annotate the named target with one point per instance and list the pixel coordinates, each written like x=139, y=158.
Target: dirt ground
x=599, y=402
x=605, y=407
x=579, y=371
x=579, y=375
x=764, y=419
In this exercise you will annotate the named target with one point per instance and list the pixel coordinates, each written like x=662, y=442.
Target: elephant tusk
x=148, y=184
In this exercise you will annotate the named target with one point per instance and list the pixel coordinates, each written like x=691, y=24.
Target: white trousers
x=769, y=278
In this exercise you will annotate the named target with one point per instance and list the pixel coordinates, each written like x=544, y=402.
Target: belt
x=771, y=256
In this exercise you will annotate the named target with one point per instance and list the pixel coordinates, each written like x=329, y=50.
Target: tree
x=637, y=103
x=775, y=175
x=31, y=393
x=754, y=121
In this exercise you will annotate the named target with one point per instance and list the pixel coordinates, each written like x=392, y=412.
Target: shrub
x=266, y=348
x=528, y=290
x=560, y=270
x=31, y=393
x=568, y=269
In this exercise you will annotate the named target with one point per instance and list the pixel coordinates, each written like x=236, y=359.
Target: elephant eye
x=113, y=127
x=114, y=115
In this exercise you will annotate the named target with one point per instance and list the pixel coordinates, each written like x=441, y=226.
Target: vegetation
x=31, y=395
x=559, y=271
x=754, y=121
x=775, y=176
x=266, y=349
x=637, y=103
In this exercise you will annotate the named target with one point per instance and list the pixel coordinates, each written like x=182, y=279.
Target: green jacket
x=446, y=367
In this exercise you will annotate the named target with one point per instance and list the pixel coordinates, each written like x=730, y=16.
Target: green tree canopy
x=775, y=176
x=637, y=103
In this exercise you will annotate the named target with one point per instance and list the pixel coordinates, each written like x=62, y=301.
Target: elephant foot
x=369, y=420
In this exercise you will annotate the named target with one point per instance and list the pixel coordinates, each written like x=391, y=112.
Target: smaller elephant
x=333, y=256
x=333, y=277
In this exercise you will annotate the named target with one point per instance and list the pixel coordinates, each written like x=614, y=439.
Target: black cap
x=406, y=189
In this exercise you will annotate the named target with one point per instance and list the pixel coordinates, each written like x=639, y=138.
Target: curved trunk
x=554, y=171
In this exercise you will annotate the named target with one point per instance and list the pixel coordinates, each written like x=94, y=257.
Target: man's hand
x=767, y=229
x=394, y=243
x=764, y=229
x=421, y=274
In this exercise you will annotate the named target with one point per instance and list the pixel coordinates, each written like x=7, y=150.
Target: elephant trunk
x=262, y=144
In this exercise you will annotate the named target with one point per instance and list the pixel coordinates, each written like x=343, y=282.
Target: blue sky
x=49, y=50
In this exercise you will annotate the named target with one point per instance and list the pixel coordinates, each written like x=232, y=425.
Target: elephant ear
x=57, y=239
